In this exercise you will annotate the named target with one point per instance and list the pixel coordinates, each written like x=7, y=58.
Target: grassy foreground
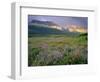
x=58, y=49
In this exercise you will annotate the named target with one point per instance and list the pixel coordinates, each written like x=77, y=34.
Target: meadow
x=57, y=49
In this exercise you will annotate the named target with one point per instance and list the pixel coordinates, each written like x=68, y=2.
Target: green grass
x=57, y=50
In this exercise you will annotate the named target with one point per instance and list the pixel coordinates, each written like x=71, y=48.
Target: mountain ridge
x=52, y=25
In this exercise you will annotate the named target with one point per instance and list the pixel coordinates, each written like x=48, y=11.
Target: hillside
x=34, y=29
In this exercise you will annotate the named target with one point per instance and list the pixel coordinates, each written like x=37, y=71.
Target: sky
x=61, y=20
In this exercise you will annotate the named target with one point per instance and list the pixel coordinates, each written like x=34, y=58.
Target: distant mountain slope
x=40, y=30
x=35, y=29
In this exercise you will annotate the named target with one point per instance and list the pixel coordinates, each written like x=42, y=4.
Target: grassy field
x=56, y=49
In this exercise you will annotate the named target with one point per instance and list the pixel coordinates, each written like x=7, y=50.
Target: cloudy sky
x=61, y=20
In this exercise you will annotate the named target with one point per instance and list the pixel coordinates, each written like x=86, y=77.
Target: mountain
x=48, y=24
x=44, y=22
x=36, y=29
x=48, y=27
